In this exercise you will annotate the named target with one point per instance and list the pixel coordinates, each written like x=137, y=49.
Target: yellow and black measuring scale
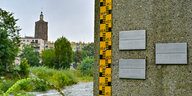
x=105, y=47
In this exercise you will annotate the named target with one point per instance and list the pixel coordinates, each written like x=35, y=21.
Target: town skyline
x=73, y=22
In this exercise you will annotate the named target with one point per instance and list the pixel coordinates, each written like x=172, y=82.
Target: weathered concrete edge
x=96, y=55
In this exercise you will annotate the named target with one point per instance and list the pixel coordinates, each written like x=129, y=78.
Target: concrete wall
x=164, y=21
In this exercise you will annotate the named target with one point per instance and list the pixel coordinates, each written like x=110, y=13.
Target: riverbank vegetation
x=60, y=66
x=59, y=78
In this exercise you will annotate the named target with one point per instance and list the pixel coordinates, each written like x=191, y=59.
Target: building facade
x=41, y=29
x=74, y=45
x=78, y=45
x=40, y=39
x=38, y=43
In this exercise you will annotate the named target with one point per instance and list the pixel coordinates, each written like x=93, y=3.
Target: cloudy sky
x=73, y=19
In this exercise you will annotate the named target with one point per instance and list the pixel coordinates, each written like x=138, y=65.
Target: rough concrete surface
x=165, y=21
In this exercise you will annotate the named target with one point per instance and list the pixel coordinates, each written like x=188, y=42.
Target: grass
x=51, y=75
x=81, y=77
x=60, y=78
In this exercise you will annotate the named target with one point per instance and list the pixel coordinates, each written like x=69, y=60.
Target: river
x=79, y=89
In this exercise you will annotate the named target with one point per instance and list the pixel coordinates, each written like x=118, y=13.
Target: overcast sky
x=73, y=19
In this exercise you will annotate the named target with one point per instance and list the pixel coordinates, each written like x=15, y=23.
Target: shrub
x=48, y=58
x=24, y=68
x=59, y=78
x=26, y=86
x=6, y=84
x=41, y=86
x=86, y=66
x=31, y=55
x=89, y=49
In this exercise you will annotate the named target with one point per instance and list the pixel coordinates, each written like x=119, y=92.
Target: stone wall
x=164, y=21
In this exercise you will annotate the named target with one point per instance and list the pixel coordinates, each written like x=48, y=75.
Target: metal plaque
x=132, y=68
x=171, y=53
x=132, y=40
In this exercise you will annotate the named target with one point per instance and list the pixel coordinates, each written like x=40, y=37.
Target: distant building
x=49, y=45
x=41, y=29
x=38, y=43
x=78, y=45
x=74, y=45
x=40, y=39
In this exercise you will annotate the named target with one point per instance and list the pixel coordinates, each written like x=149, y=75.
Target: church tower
x=41, y=29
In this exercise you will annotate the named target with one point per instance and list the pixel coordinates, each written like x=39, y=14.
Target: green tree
x=24, y=68
x=31, y=55
x=77, y=56
x=84, y=54
x=9, y=40
x=89, y=49
x=48, y=57
x=86, y=66
x=63, y=53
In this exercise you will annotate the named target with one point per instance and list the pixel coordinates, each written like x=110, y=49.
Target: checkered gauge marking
x=105, y=47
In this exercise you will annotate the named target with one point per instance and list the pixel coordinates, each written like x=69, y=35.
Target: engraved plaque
x=132, y=68
x=132, y=40
x=171, y=53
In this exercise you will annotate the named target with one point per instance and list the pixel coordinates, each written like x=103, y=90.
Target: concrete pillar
x=164, y=21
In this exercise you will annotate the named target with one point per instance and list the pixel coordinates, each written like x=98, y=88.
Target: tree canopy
x=48, y=58
x=63, y=53
x=31, y=55
x=89, y=49
x=9, y=40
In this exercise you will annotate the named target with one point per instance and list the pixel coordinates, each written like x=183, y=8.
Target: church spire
x=41, y=16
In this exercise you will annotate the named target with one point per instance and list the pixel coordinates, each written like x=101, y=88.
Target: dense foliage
x=48, y=58
x=89, y=49
x=86, y=66
x=9, y=40
x=24, y=68
x=77, y=58
x=63, y=53
x=18, y=86
x=59, y=78
x=31, y=55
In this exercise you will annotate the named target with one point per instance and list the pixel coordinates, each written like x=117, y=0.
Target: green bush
x=60, y=78
x=86, y=66
x=27, y=87
x=6, y=84
x=89, y=49
x=24, y=68
x=67, y=76
x=81, y=77
x=48, y=58
x=31, y=55
x=42, y=86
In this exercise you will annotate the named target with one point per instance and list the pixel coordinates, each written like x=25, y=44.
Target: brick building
x=41, y=29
